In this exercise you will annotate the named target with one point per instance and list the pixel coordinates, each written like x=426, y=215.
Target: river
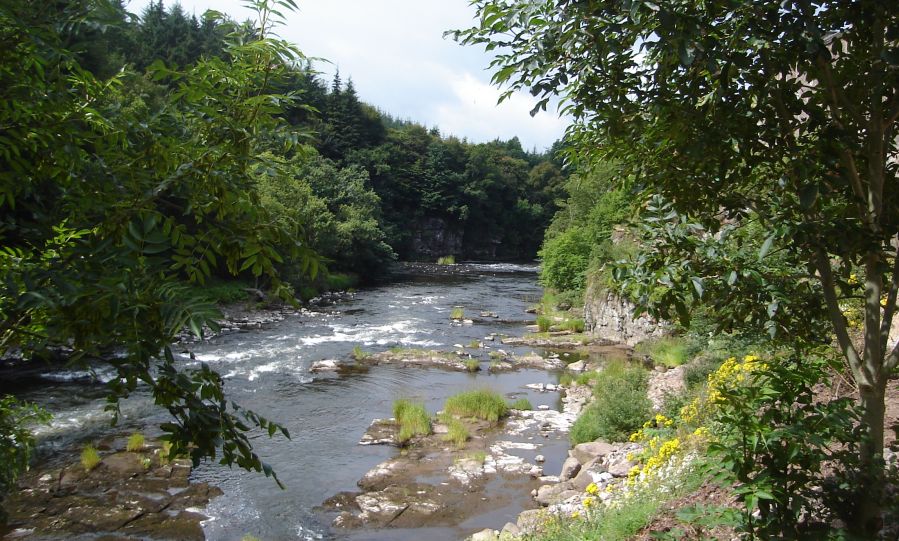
x=267, y=370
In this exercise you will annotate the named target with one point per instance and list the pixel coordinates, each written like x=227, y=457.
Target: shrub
x=135, y=442
x=224, y=292
x=457, y=312
x=620, y=407
x=413, y=420
x=565, y=259
x=697, y=372
x=446, y=260
x=587, y=378
x=90, y=458
x=566, y=379
x=544, y=323
x=472, y=365
x=521, y=404
x=480, y=404
x=456, y=432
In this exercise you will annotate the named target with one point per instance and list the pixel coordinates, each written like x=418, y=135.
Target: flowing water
x=267, y=370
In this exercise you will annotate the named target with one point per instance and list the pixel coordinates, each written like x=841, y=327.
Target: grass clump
x=457, y=433
x=521, y=404
x=472, y=365
x=670, y=352
x=360, y=354
x=620, y=407
x=587, y=378
x=457, y=313
x=341, y=282
x=446, y=260
x=573, y=325
x=474, y=344
x=413, y=420
x=481, y=404
x=566, y=379
x=544, y=323
x=135, y=442
x=90, y=458
x=479, y=456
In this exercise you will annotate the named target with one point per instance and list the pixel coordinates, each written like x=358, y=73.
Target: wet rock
x=539, y=459
x=488, y=314
x=586, y=452
x=123, y=465
x=570, y=468
x=380, y=432
x=399, y=506
x=326, y=365
x=578, y=366
x=465, y=470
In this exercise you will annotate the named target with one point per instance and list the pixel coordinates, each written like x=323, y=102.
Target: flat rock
x=550, y=494
x=585, y=452
x=484, y=535
x=326, y=365
x=578, y=366
x=380, y=432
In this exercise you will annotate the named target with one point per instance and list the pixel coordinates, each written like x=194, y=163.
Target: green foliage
x=16, y=441
x=457, y=433
x=479, y=404
x=620, y=406
x=668, y=351
x=775, y=437
x=135, y=442
x=120, y=195
x=565, y=259
x=566, y=379
x=521, y=404
x=697, y=372
x=588, y=378
x=544, y=323
x=90, y=458
x=412, y=419
x=341, y=281
x=472, y=365
x=457, y=313
x=446, y=260
x=223, y=292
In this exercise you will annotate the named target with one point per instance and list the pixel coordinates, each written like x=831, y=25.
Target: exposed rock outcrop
x=609, y=317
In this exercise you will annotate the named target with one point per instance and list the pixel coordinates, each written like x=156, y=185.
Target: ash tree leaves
x=119, y=194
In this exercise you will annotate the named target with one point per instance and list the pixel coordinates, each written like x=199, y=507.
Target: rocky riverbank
x=127, y=495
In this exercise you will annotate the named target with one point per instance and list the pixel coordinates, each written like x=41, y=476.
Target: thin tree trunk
x=868, y=520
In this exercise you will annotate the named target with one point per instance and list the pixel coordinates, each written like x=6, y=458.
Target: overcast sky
x=395, y=52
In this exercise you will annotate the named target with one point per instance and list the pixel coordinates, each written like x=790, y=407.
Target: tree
x=785, y=110
x=112, y=208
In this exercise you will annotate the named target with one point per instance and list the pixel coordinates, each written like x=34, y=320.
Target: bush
x=587, y=378
x=456, y=432
x=565, y=259
x=413, y=420
x=446, y=260
x=341, y=282
x=90, y=458
x=472, y=365
x=566, y=379
x=521, y=404
x=457, y=313
x=620, y=407
x=224, y=292
x=135, y=442
x=544, y=323
x=480, y=404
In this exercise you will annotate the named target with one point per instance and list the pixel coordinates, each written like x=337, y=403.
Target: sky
x=395, y=53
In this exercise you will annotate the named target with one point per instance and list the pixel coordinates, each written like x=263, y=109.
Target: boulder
x=326, y=365
x=550, y=494
x=590, y=473
x=620, y=468
x=585, y=452
x=570, y=468
x=531, y=520
x=578, y=366
x=510, y=529
x=484, y=535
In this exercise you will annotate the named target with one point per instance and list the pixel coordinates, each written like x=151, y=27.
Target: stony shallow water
x=267, y=370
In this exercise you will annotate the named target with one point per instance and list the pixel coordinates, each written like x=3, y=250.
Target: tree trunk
x=868, y=520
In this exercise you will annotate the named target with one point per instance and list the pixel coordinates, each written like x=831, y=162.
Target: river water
x=267, y=370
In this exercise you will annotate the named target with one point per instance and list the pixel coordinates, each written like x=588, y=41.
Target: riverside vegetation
x=735, y=175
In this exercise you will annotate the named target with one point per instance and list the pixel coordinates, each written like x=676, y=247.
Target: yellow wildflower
x=592, y=489
x=588, y=502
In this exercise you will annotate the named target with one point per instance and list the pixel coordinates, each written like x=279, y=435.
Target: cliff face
x=434, y=237
x=610, y=317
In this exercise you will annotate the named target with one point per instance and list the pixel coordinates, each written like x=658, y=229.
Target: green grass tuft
x=544, y=323
x=90, y=458
x=413, y=420
x=480, y=404
x=341, y=282
x=521, y=404
x=135, y=442
x=457, y=433
x=360, y=354
x=472, y=365
x=566, y=379
x=446, y=260
x=457, y=313
x=670, y=352
x=573, y=325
